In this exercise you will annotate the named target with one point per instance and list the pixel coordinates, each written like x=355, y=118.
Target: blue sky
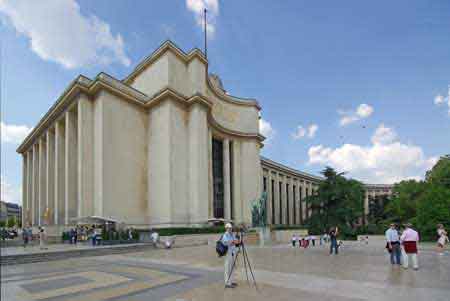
x=358, y=85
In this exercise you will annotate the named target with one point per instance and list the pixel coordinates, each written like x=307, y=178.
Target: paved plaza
x=359, y=272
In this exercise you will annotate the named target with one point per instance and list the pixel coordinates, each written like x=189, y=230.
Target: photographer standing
x=229, y=239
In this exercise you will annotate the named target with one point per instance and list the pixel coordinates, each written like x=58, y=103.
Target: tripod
x=247, y=265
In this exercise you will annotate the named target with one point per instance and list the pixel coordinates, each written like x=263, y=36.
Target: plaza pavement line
x=364, y=290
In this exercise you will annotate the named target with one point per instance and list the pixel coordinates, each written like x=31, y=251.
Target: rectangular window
x=217, y=157
x=265, y=184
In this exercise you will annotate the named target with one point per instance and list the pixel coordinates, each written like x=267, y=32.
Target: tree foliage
x=11, y=222
x=338, y=202
x=423, y=203
x=433, y=208
x=440, y=173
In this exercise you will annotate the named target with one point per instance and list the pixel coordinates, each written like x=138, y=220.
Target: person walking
x=409, y=241
x=393, y=244
x=42, y=238
x=25, y=237
x=442, y=239
x=333, y=240
x=294, y=239
x=229, y=239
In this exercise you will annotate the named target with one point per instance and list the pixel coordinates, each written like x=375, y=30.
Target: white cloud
x=58, y=32
x=363, y=111
x=312, y=129
x=10, y=193
x=439, y=99
x=265, y=128
x=384, y=135
x=212, y=7
x=386, y=160
x=309, y=131
x=12, y=133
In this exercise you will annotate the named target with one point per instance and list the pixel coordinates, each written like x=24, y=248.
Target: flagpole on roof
x=204, y=24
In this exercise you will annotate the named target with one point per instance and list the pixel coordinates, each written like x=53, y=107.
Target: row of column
x=52, y=190
x=286, y=198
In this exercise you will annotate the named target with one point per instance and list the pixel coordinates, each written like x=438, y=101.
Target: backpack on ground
x=221, y=248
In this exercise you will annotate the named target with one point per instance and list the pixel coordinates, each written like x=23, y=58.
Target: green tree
x=440, y=173
x=405, y=196
x=338, y=202
x=11, y=222
x=433, y=208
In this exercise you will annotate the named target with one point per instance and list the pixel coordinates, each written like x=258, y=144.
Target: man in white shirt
x=393, y=244
x=155, y=238
x=229, y=239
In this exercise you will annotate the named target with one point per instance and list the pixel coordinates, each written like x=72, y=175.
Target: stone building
x=166, y=146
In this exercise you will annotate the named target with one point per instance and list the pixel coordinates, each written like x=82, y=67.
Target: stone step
x=49, y=256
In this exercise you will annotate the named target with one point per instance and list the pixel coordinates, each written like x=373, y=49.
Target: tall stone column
x=199, y=170
x=210, y=176
x=71, y=166
x=35, y=187
x=24, y=188
x=311, y=192
x=60, y=174
x=304, y=209
x=43, y=205
x=366, y=206
x=269, y=197
x=85, y=157
x=226, y=178
x=283, y=201
x=292, y=214
x=50, y=168
x=276, y=194
x=30, y=186
x=238, y=206
x=298, y=203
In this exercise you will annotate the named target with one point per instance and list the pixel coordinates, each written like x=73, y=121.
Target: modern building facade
x=10, y=210
x=165, y=146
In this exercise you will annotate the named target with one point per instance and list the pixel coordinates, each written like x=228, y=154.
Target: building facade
x=165, y=146
x=10, y=210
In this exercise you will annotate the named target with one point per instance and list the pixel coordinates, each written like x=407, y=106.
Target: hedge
x=187, y=230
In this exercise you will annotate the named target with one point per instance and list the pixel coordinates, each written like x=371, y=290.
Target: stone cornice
x=166, y=46
x=249, y=102
x=293, y=172
x=106, y=82
x=80, y=84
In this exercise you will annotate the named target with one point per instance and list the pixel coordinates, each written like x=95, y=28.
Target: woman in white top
x=442, y=239
x=42, y=238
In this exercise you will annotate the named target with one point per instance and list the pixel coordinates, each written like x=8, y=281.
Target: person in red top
x=410, y=240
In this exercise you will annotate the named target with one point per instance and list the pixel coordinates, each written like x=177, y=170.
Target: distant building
x=9, y=210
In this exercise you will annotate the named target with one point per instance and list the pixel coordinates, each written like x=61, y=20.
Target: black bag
x=221, y=248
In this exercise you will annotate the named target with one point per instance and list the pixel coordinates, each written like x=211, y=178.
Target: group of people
x=403, y=246
x=310, y=240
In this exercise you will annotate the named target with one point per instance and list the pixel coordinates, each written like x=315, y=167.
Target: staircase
x=59, y=255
